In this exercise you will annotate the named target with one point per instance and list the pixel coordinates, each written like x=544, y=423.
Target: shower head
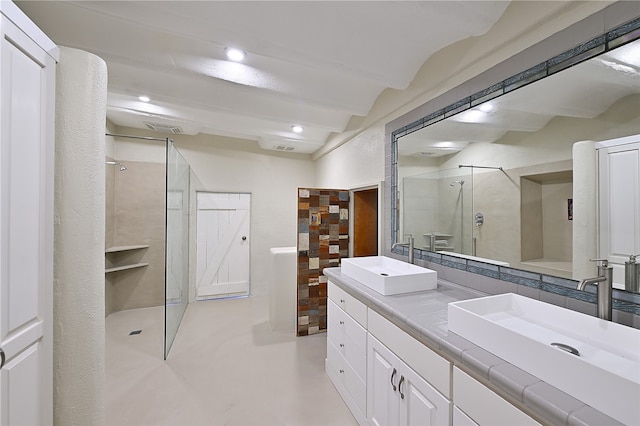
x=457, y=182
x=115, y=163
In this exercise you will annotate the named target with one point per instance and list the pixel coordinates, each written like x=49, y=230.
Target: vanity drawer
x=348, y=303
x=346, y=325
x=345, y=373
x=348, y=337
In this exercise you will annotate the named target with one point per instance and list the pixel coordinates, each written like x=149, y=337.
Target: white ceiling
x=583, y=91
x=311, y=63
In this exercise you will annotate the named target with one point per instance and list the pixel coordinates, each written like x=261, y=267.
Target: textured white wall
x=585, y=209
x=79, y=327
x=356, y=164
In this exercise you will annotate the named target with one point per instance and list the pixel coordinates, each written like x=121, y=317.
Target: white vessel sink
x=389, y=276
x=605, y=375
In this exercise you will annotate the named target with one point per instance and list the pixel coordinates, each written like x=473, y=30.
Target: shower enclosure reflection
x=437, y=210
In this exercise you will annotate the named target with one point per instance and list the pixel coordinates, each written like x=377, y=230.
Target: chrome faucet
x=604, y=281
x=410, y=248
x=411, y=243
x=632, y=274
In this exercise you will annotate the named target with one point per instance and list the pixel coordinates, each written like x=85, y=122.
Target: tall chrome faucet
x=604, y=281
x=410, y=248
x=411, y=245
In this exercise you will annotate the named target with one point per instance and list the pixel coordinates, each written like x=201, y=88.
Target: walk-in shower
x=171, y=235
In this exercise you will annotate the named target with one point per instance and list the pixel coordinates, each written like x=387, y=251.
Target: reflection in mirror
x=519, y=210
x=435, y=208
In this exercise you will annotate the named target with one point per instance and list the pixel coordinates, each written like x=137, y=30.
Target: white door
x=619, y=199
x=27, y=77
x=222, y=246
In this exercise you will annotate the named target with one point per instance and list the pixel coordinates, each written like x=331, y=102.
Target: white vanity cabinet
x=397, y=395
x=387, y=377
x=347, y=349
x=480, y=405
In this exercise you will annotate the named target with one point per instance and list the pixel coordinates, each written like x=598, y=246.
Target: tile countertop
x=423, y=315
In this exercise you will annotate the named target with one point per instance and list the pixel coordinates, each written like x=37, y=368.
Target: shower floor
x=226, y=366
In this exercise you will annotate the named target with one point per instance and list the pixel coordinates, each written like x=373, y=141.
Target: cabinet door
x=382, y=384
x=420, y=403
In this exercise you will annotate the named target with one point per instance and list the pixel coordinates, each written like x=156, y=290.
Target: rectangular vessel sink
x=389, y=276
x=605, y=374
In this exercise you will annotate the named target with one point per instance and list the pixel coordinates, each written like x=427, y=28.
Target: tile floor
x=226, y=367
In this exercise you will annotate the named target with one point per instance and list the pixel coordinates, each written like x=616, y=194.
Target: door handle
x=1, y=358
x=400, y=387
x=392, y=376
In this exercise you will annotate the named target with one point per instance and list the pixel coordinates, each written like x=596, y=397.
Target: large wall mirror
x=492, y=176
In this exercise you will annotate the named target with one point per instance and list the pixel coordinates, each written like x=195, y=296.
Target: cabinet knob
x=341, y=300
x=341, y=371
x=342, y=345
x=392, y=376
x=341, y=322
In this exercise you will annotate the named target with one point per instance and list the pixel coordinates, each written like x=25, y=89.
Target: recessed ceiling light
x=486, y=107
x=472, y=116
x=144, y=98
x=235, y=54
x=296, y=128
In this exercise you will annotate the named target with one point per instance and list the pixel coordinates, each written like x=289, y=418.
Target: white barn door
x=27, y=77
x=619, y=199
x=222, y=245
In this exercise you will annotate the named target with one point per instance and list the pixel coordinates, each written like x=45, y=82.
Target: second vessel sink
x=595, y=361
x=389, y=276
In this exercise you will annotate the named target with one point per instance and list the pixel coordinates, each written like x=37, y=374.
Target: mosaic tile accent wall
x=323, y=239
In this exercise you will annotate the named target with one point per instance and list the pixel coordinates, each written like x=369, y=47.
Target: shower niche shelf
x=116, y=250
x=443, y=242
x=125, y=267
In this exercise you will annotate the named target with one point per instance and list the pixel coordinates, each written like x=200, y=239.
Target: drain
x=566, y=348
x=134, y=332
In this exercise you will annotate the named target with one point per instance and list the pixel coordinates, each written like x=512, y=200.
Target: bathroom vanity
x=394, y=361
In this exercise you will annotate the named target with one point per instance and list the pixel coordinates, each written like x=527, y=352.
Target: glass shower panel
x=437, y=210
x=177, y=244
